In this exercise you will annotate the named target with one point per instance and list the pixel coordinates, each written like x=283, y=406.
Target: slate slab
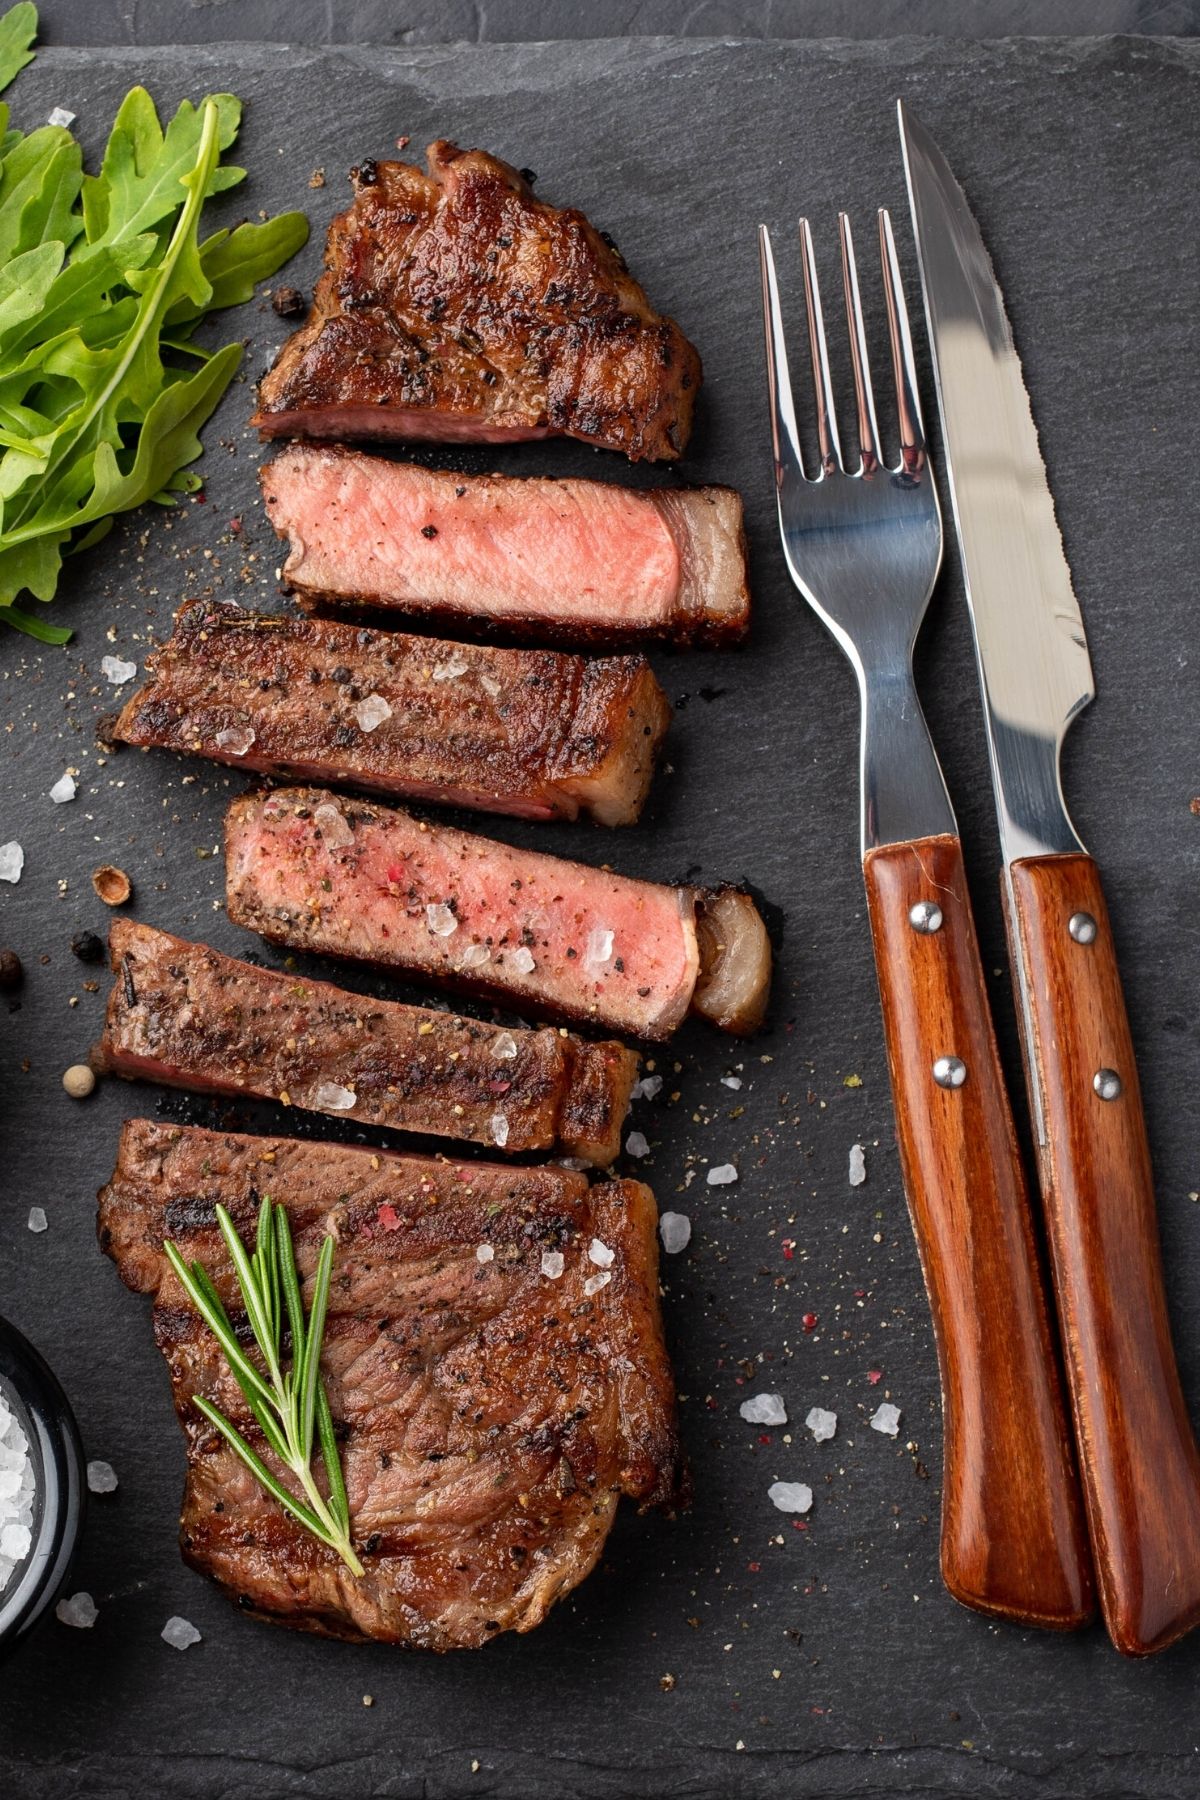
x=726, y=1654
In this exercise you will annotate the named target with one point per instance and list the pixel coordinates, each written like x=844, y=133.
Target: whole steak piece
x=494, y=1361
x=455, y=307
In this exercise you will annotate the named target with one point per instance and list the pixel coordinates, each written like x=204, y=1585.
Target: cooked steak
x=490, y=1410
x=572, y=561
x=186, y=1015
x=559, y=937
x=454, y=306
x=538, y=733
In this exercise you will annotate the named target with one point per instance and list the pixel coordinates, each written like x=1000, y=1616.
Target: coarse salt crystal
x=599, y=947
x=484, y=1253
x=600, y=1254
x=16, y=1540
x=790, y=1496
x=333, y=825
x=64, y=789
x=858, y=1165
x=475, y=955
x=822, y=1424
x=329, y=1097
x=12, y=861
x=371, y=712
x=58, y=115
x=647, y=1088
x=522, y=961
x=505, y=1046
x=101, y=1478
x=490, y=685
x=451, y=670
x=441, y=919
x=80, y=1611
x=37, y=1218
x=181, y=1634
x=237, y=739
x=498, y=1126
x=636, y=1144
x=114, y=669
x=764, y=1409
x=594, y=1283
x=731, y=1081
x=553, y=1264
x=675, y=1230
x=722, y=1175
x=886, y=1418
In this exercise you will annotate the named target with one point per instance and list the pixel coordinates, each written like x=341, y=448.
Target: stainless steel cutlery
x=863, y=540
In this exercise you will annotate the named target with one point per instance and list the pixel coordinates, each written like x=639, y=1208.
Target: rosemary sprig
x=290, y=1407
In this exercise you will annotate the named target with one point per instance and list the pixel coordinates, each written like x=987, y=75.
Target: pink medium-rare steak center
x=526, y=547
x=448, y=903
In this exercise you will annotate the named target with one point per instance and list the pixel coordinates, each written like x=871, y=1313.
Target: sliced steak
x=535, y=733
x=572, y=561
x=184, y=1014
x=456, y=307
x=490, y=1414
x=555, y=936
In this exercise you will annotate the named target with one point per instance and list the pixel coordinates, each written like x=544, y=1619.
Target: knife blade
x=1138, y=1454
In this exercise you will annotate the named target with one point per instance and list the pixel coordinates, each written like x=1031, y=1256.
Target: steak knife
x=1138, y=1454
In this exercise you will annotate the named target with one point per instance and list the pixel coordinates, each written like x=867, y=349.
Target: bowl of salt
x=42, y=1486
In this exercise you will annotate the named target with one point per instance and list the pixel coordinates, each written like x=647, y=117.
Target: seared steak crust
x=536, y=733
x=567, y=561
x=184, y=1014
x=454, y=306
x=489, y=1416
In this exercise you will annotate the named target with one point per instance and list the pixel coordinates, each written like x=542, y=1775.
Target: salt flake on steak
x=371, y=712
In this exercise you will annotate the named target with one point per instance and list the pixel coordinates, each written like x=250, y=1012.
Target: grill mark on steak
x=489, y=1417
x=535, y=733
x=457, y=307
x=566, y=560
x=529, y=928
x=183, y=1014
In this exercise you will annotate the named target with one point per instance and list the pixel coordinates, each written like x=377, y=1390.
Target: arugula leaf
x=18, y=28
x=103, y=280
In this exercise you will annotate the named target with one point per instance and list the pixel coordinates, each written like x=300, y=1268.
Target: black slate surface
x=829, y=1663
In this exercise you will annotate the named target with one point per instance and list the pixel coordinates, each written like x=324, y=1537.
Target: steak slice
x=560, y=937
x=535, y=733
x=489, y=1415
x=186, y=1015
x=574, y=561
x=456, y=307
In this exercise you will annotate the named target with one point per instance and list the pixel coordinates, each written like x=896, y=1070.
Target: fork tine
x=784, y=435
x=827, y=431
x=908, y=404
x=868, y=429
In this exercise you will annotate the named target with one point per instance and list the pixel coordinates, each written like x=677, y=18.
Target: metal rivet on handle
x=925, y=916
x=1107, y=1083
x=949, y=1071
x=1082, y=927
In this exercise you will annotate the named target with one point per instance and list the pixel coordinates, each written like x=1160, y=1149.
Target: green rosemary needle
x=289, y=1406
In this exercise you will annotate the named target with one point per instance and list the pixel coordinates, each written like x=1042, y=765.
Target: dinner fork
x=863, y=543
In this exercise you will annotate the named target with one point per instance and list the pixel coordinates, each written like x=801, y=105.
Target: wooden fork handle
x=1141, y=1469
x=1013, y=1537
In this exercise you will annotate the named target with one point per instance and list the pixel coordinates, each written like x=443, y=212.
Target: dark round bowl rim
x=57, y=1453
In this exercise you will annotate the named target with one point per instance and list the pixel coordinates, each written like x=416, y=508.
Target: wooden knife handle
x=1141, y=1469
x=1014, y=1542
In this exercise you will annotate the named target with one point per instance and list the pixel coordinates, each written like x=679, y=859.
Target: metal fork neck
x=903, y=790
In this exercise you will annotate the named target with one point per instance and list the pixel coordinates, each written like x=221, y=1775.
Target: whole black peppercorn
x=87, y=947
x=289, y=302
x=11, y=972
